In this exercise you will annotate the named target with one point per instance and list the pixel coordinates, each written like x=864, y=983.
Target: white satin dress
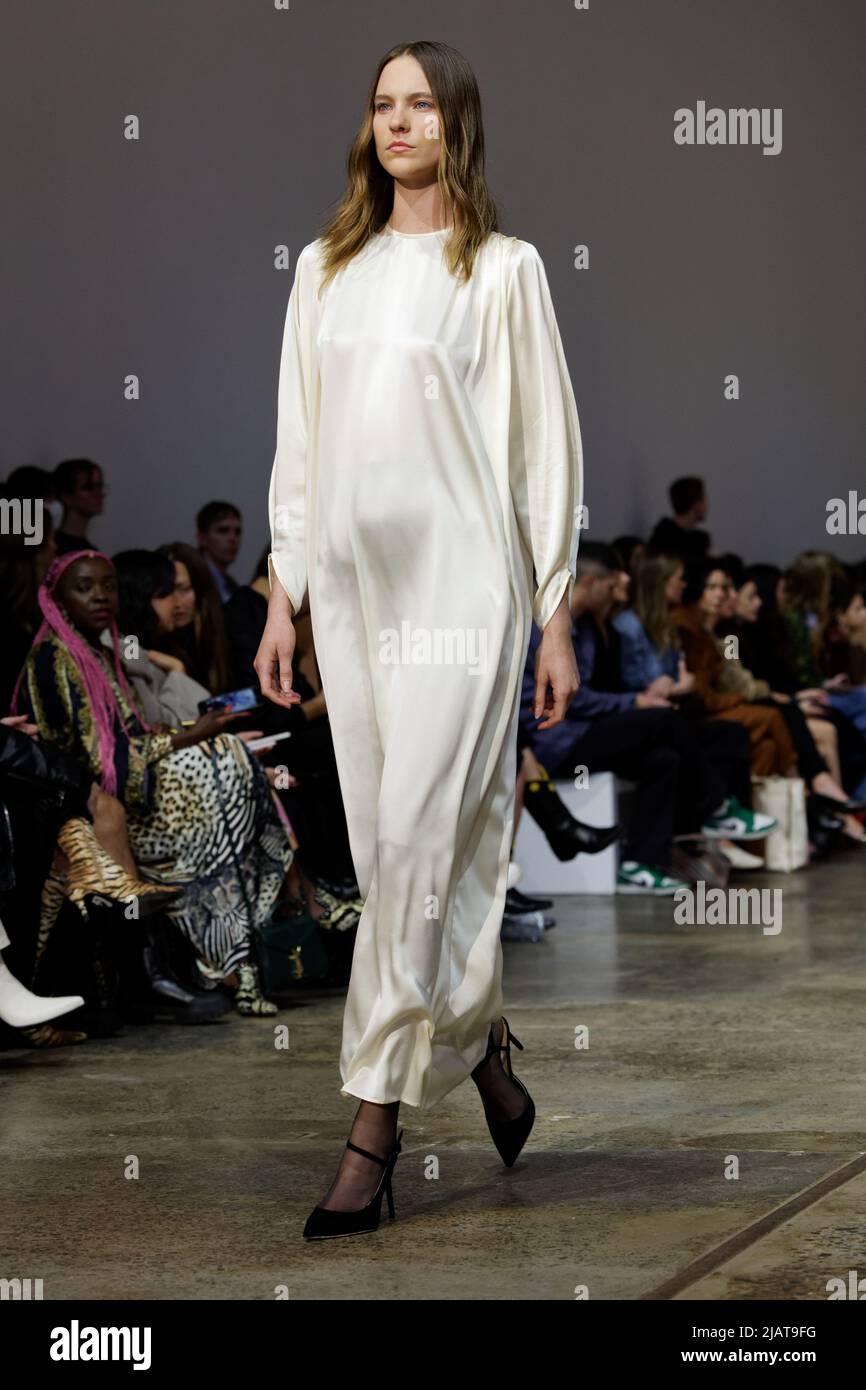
x=426, y=487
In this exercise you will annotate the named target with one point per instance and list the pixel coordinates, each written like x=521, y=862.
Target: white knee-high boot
x=22, y=1009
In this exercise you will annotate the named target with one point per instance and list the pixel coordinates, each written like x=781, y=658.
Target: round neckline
x=415, y=236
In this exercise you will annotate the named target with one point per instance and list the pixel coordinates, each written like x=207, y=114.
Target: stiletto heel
x=323, y=1224
x=509, y=1136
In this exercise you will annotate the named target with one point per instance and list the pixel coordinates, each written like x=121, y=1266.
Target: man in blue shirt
x=640, y=737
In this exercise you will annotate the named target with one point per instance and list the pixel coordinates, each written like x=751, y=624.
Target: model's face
x=88, y=592
x=88, y=495
x=222, y=541
x=675, y=586
x=406, y=123
x=749, y=602
x=700, y=509
x=184, y=596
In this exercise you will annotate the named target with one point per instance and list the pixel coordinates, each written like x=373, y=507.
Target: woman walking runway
x=425, y=487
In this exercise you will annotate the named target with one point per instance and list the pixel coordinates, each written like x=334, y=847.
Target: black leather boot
x=565, y=835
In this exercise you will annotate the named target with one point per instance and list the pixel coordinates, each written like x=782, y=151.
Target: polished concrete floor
x=712, y=1050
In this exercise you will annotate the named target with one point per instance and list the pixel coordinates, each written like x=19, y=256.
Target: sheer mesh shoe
x=509, y=1136
x=323, y=1224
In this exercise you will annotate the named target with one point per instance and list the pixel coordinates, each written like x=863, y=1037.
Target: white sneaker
x=641, y=878
x=740, y=858
x=21, y=1009
x=734, y=821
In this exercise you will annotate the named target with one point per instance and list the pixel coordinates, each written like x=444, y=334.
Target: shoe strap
x=492, y=1048
x=376, y=1158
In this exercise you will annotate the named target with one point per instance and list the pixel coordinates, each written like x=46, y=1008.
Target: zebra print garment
x=194, y=836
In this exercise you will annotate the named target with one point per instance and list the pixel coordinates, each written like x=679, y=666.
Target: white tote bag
x=785, y=798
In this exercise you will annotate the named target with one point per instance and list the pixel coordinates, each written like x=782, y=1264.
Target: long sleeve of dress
x=545, y=449
x=287, y=494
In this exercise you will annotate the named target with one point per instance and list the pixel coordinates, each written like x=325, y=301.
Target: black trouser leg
x=637, y=745
x=727, y=747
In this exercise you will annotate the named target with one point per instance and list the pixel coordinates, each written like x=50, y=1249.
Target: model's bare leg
x=374, y=1128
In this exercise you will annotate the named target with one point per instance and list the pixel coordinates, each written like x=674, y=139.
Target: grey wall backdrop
x=156, y=256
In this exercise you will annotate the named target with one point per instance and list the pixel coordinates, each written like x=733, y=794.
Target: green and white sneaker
x=733, y=821
x=640, y=878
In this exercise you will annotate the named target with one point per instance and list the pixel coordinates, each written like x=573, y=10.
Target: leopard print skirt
x=214, y=827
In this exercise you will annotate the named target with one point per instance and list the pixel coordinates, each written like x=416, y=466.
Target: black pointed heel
x=509, y=1136
x=323, y=1224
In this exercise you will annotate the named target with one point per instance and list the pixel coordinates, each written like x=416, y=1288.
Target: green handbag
x=289, y=950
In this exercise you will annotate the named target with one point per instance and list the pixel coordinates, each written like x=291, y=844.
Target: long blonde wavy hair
x=369, y=197
x=649, y=602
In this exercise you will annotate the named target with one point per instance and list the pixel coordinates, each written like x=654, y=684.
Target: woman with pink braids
x=199, y=806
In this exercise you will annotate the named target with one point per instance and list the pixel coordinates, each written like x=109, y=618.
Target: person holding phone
x=199, y=807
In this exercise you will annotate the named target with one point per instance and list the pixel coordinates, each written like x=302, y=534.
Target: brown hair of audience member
x=204, y=649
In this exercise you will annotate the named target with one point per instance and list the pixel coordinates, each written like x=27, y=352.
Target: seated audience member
x=696, y=619
x=315, y=803
x=814, y=739
x=21, y=1009
x=631, y=550
x=771, y=650
x=766, y=643
x=199, y=808
x=650, y=654
x=658, y=667
x=219, y=527
x=806, y=609
x=637, y=736
x=79, y=487
x=57, y=825
x=22, y=569
x=146, y=611
x=681, y=534
x=199, y=636
x=843, y=653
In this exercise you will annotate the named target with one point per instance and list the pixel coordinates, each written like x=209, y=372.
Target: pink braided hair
x=100, y=695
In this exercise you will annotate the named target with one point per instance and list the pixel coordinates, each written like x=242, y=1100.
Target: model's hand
x=273, y=663
x=556, y=676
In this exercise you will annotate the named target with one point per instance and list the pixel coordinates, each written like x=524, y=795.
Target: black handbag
x=290, y=949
